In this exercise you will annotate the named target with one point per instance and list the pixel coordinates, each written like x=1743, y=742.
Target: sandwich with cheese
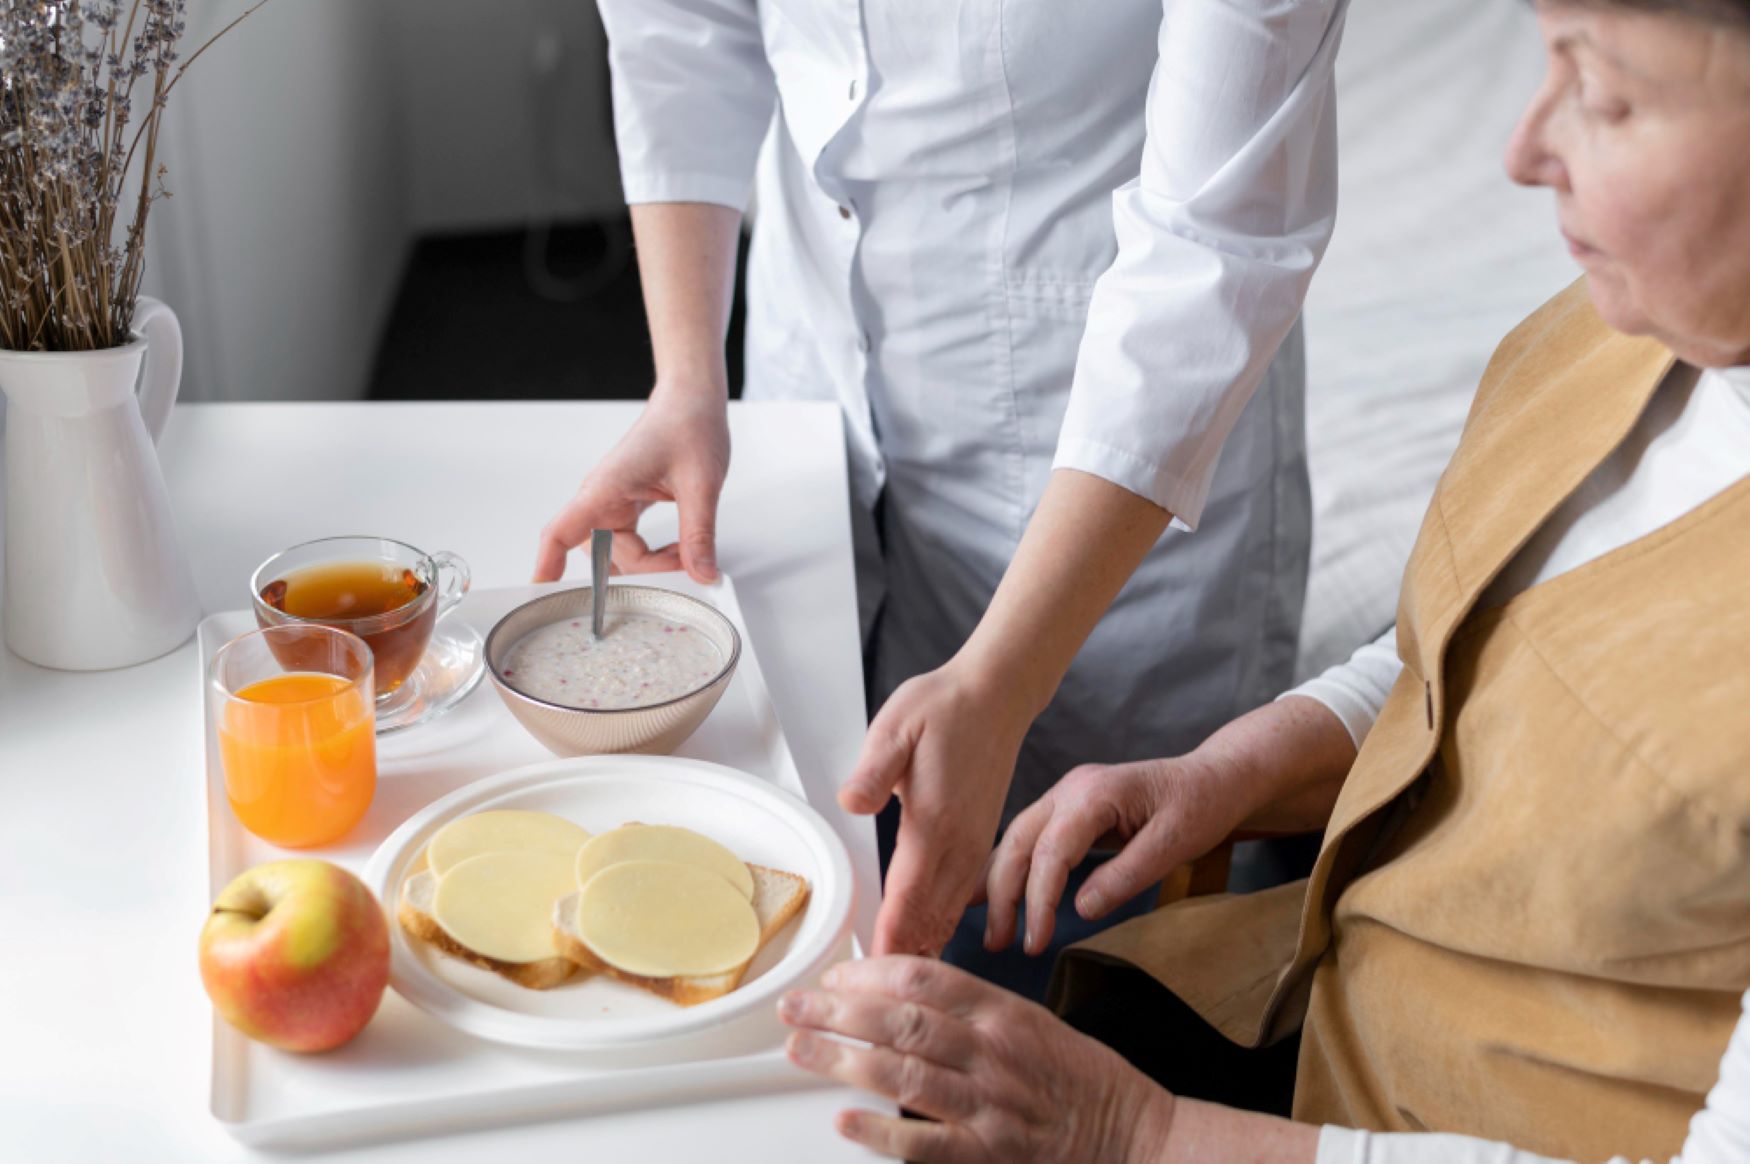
x=536, y=899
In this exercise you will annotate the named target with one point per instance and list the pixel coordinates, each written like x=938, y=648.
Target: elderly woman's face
x=1642, y=129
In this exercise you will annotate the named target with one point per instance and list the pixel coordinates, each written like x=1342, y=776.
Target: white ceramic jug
x=95, y=575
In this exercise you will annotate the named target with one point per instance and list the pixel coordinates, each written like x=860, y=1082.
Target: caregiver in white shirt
x=1042, y=255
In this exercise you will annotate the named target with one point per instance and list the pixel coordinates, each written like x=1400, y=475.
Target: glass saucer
x=453, y=663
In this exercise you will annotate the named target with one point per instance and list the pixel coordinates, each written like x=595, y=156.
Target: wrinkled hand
x=677, y=451
x=1158, y=813
x=1007, y=1079
x=945, y=743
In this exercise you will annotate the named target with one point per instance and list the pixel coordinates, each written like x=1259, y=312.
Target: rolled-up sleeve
x=693, y=97
x=1218, y=238
x=1356, y=691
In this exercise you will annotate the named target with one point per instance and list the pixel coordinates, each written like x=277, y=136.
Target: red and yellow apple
x=296, y=954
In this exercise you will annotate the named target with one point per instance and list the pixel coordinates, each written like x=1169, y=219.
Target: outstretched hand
x=945, y=742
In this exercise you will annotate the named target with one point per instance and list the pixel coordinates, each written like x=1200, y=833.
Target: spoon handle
x=601, y=556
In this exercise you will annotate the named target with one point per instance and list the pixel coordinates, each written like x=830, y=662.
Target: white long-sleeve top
x=959, y=184
x=1692, y=442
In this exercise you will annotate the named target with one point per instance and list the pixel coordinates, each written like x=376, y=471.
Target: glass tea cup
x=388, y=593
x=293, y=708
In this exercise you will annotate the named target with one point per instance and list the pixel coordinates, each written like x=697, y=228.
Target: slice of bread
x=414, y=913
x=777, y=897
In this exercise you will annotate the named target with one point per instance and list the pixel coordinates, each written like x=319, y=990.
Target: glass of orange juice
x=294, y=709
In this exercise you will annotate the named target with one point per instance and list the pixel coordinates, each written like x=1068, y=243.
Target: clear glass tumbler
x=294, y=710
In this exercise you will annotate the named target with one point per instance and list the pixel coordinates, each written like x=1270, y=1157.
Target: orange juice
x=300, y=757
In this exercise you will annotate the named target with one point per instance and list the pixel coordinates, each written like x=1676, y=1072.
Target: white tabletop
x=104, y=1029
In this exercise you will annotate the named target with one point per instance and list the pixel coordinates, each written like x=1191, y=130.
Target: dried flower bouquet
x=78, y=162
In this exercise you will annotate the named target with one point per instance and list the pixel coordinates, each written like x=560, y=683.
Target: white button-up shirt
x=999, y=140
x=1012, y=235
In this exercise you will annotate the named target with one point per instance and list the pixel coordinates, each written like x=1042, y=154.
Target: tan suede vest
x=1530, y=919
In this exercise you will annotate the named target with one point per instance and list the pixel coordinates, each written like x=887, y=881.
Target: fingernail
x=804, y=1048
x=990, y=935
x=1090, y=903
x=790, y=1006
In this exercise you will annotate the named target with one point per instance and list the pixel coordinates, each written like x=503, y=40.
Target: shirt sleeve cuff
x=685, y=186
x=1341, y=1146
x=1357, y=717
x=1179, y=496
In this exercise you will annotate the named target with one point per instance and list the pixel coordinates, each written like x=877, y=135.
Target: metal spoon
x=601, y=557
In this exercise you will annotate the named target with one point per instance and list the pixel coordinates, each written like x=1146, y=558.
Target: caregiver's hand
x=1159, y=814
x=677, y=451
x=1007, y=1079
x=945, y=742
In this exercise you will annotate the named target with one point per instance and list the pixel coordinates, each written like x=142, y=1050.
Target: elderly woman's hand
x=1159, y=814
x=1275, y=770
x=1006, y=1079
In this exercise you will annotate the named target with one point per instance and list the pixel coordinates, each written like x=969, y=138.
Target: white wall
x=1436, y=256
x=506, y=111
x=286, y=232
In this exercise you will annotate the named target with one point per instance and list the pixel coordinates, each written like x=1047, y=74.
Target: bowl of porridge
x=644, y=686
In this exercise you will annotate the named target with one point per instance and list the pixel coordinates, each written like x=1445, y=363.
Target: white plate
x=758, y=822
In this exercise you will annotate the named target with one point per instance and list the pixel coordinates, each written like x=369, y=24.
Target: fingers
x=550, y=556
x=883, y=762
x=570, y=529
x=633, y=555
x=914, y=1082
x=979, y=893
x=933, y=984
x=1007, y=877
x=919, y=904
x=904, y=1139
x=1075, y=824
x=1154, y=852
x=698, y=530
x=910, y=1028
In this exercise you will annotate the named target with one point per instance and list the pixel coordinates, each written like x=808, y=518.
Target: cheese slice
x=663, y=919
x=502, y=830
x=639, y=842
x=501, y=904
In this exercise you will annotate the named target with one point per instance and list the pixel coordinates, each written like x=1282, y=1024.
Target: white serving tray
x=408, y=1073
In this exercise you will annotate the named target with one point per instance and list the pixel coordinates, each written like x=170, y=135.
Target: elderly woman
x=1529, y=923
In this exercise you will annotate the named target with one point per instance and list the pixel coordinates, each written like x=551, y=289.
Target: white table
x=104, y=1028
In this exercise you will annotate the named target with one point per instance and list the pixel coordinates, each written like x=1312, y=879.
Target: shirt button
x=852, y=95
x=844, y=212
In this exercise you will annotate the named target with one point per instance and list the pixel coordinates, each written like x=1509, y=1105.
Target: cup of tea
x=386, y=592
x=294, y=713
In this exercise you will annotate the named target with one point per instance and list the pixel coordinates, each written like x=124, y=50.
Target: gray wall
x=308, y=147
x=287, y=228
x=507, y=113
